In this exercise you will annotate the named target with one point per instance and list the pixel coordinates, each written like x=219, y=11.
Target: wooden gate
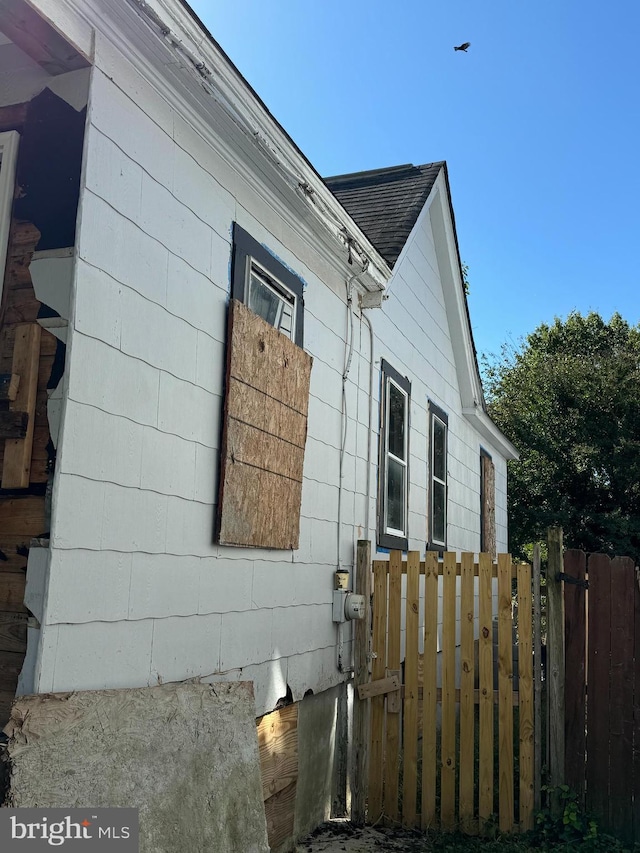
x=602, y=688
x=434, y=738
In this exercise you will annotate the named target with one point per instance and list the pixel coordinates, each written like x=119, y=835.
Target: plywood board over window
x=488, y=504
x=264, y=434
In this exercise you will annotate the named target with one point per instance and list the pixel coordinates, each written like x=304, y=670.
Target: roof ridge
x=370, y=172
x=377, y=173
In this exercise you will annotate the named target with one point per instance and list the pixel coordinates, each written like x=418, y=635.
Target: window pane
x=439, y=450
x=439, y=513
x=395, y=495
x=397, y=407
x=269, y=305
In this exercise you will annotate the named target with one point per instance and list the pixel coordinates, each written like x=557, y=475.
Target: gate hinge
x=575, y=581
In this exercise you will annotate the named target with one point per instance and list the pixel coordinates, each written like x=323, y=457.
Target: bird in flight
x=463, y=46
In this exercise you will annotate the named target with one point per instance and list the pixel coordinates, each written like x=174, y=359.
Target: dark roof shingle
x=385, y=203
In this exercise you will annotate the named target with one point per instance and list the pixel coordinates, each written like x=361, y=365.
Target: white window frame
x=391, y=537
x=275, y=286
x=248, y=254
x=8, y=159
x=436, y=414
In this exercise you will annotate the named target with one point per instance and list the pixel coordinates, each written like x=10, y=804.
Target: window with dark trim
x=438, y=440
x=393, y=498
x=266, y=286
x=487, y=504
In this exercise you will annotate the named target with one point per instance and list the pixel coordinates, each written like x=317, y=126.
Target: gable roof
x=386, y=203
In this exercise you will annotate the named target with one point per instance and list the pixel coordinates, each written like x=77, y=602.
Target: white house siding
x=138, y=593
x=412, y=334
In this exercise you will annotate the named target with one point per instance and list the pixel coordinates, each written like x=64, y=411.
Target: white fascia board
x=488, y=430
x=178, y=32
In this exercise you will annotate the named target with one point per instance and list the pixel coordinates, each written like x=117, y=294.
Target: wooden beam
x=38, y=39
x=13, y=424
x=379, y=687
x=476, y=695
x=361, y=709
x=13, y=117
x=13, y=632
x=12, y=586
x=9, y=384
x=17, y=452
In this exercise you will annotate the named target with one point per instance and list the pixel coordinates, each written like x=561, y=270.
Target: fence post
x=361, y=725
x=555, y=661
x=537, y=681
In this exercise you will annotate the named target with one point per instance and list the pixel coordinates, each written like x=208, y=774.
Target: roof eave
x=176, y=23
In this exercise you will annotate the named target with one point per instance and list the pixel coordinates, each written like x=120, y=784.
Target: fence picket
x=392, y=752
x=555, y=666
x=448, y=735
x=636, y=709
x=621, y=697
x=525, y=695
x=378, y=647
x=467, y=674
x=410, y=732
x=537, y=679
x=429, y=690
x=598, y=698
x=485, y=668
x=575, y=564
x=505, y=698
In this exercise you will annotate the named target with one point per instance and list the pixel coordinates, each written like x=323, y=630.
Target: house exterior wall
x=412, y=332
x=138, y=592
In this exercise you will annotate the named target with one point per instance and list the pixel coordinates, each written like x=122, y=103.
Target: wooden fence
x=434, y=741
x=602, y=688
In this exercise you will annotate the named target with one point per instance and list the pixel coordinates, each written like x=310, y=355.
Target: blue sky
x=538, y=122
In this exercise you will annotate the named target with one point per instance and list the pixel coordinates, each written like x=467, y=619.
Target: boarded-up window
x=264, y=434
x=487, y=504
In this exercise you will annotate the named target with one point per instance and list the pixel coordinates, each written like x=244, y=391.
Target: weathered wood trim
x=9, y=384
x=38, y=39
x=13, y=424
x=278, y=749
x=16, y=466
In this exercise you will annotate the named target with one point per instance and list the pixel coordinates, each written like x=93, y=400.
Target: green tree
x=569, y=399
